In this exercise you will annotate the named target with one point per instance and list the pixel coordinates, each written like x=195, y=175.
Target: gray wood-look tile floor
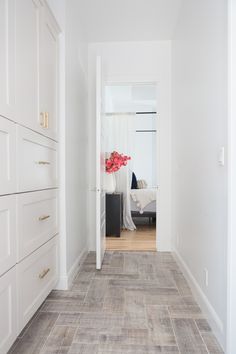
x=139, y=303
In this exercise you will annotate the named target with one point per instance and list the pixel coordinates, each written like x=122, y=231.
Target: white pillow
x=142, y=184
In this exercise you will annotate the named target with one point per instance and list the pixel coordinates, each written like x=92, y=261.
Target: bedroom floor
x=142, y=239
x=138, y=303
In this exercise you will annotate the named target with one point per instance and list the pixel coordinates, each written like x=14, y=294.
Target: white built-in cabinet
x=7, y=58
x=8, y=156
x=29, y=227
x=36, y=67
x=8, y=310
x=8, y=232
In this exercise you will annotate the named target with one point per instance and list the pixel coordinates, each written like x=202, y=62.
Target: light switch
x=221, y=158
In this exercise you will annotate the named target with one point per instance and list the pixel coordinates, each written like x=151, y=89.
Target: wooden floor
x=142, y=239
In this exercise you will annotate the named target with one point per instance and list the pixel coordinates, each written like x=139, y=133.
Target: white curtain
x=120, y=130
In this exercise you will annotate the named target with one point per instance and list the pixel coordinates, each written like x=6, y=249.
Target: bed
x=143, y=202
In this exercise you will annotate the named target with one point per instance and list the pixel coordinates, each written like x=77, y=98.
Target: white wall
x=199, y=129
x=73, y=140
x=130, y=62
x=76, y=138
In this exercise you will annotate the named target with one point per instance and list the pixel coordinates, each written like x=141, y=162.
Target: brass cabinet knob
x=44, y=273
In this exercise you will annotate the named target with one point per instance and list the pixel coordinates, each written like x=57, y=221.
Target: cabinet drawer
x=8, y=310
x=36, y=161
x=36, y=277
x=7, y=232
x=8, y=157
x=37, y=220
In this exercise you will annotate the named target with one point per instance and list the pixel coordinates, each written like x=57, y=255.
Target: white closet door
x=100, y=169
x=27, y=62
x=48, y=73
x=7, y=58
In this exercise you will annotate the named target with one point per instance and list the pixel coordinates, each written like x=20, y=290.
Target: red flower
x=116, y=161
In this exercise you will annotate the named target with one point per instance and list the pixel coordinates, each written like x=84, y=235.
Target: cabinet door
x=8, y=156
x=7, y=59
x=27, y=62
x=8, y=310
x=48, y=74
x=7, y=232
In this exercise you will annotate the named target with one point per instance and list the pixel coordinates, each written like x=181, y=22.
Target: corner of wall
x=65, y=281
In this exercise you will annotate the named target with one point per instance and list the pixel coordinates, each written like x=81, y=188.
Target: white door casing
x=100, y=169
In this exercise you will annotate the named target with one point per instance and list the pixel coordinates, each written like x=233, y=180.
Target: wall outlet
x=206, y=277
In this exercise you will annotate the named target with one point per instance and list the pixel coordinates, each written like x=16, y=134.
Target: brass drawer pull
x=44, y=217
x=44, y=273
x=43, y=163
x=46, y=120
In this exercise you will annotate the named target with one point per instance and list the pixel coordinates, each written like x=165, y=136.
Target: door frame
x=231, y=239
x=160, y=221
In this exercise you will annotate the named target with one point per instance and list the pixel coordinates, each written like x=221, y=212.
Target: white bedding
x=151, y=207
x=142, y=198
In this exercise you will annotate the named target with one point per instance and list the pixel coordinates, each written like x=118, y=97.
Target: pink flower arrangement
x=116, y=161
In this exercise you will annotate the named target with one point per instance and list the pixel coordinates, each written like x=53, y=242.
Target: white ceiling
x=127, y=20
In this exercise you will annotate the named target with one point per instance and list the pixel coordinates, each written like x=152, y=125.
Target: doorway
x=131, y=188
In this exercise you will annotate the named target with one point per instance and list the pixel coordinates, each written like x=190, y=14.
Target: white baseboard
x=65, y=282
x=206, y=307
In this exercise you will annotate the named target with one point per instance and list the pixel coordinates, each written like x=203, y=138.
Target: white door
x=27, y=16
x=36, y=67
x=100, y=169
x=7, y=58
x=48, y=74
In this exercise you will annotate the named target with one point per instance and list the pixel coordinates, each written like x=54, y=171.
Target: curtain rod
x=127, y=113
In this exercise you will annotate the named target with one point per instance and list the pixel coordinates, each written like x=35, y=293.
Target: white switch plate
x=221, y=158
x=206, y=277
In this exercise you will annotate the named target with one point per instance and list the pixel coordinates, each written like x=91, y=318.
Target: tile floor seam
x=171, y=320
x=201, y=336
x=49, y=334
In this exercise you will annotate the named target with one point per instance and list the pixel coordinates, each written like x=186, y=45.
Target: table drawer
x=37, y=220
x=36, y=161
x=7, y=232
x=36, y=277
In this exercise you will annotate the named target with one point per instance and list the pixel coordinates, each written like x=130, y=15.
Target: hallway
x=139, y=303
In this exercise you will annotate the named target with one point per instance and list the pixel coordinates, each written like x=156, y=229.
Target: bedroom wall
x=199, y=130
x=136, y=62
